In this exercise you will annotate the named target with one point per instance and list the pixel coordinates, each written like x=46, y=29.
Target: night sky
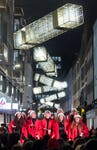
x=68, y=44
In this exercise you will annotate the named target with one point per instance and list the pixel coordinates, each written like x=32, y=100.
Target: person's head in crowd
x=53, y=144
x=91, y=144
x=77, y=118
x=67, y=146
x=28, y=145
x=3, y=130
x=61, y=144
x=93, y=133
x=16, y=147
x=38, y=145
x=4, y=140
x=18, y=115
x=47, y=114
x=23, y=114
x=78, y=141
x=30, y=137
x=61, y=117
x=13, y=139
x=32, y=114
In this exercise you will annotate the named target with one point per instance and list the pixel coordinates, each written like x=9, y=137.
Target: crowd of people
x=51, y=132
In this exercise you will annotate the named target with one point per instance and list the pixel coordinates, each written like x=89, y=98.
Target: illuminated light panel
x=49, y=81
x=44, y=60
x=52, y=73
x=37, y=90
x=60, y=84
x=18, y=65
x=68, y=16
x=43, y=79
x=53, y=97
x=57, y=106
x=20, y=40
x=40, y=54
x=48, y=66
x=36, y=77
x=44, y=29
x=30, y=35
x=43, y=89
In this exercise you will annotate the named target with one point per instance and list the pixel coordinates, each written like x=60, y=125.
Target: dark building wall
x=83, y=71
x=95, y=58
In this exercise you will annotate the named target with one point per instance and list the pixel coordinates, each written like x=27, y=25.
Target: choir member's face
x=61, y=117
x=33, y=115
x=77, y=119
x=47, y=115
x=23, y=114
x=18, y=115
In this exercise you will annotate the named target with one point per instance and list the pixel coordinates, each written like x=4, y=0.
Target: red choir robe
x=34, y=129
x=57, y=129
x=51, y=129
x=24, y=133
x=15, y=126
x=75, y=131
x=11, y=127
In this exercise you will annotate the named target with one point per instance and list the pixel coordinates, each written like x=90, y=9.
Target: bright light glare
x=17, y=65
x=37, y=90
x=40, y=54
x=42, y=101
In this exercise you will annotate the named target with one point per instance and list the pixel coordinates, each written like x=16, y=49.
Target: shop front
x=7, y=108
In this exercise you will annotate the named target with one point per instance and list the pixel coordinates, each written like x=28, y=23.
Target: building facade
x=9, y=90
x=83, y=77
x=67, y=102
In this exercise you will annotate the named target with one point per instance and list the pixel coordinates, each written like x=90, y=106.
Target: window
x=1, y=83
x=16, y=25
x=4, y=84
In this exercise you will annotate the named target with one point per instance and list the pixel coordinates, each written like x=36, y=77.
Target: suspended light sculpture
x=55, y=23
